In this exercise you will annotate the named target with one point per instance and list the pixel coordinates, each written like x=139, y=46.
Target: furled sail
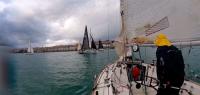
x=122, y=38
x=85, y=44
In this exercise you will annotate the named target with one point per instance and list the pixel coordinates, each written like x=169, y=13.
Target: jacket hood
x=162, y=40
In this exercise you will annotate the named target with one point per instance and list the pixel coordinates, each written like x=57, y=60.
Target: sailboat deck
x=113, y=80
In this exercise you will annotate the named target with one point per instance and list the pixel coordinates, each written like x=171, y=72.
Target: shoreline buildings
x=60, y=48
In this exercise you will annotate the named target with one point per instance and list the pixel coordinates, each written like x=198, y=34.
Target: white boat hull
x=29, y=53
x=113, y=80
x=101, y=49
x=87, y=51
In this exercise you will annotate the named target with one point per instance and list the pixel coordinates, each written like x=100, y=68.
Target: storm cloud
x=56, y=22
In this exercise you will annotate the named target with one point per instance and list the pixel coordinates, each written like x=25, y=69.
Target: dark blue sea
x=69, y=73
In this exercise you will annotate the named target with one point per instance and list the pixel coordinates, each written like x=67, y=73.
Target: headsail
x=85, y=44
x=93, y=45
x=178, y=19
x=182, y=16
x=30, y=49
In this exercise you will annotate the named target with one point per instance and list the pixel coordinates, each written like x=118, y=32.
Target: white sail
x=183, y=17
x=121, y=40
x=79, y=46
x=30, y=49
x=178, y=19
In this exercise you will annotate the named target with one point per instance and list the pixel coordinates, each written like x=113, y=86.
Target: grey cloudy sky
x=53, y=22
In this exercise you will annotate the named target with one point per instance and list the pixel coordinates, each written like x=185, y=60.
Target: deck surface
x=113, y=80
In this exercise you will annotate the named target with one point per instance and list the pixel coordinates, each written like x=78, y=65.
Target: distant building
x=59, y=48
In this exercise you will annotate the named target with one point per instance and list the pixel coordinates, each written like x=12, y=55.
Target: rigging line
x=145, y=52
x=120, y=82
x=140, y=54
x=101, y=74
x=108, y=89
x=181, y=45
x=190, y=48
x=130, y=85
x=97, y=83
x=108, y=43
x=118, y=85
x=145, y=88
x=103, y=90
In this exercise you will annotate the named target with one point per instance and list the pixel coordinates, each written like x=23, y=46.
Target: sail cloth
x=93, y=45
x=119, y=48
x=30, y=49
x=121, y=39
x=161, y=25
x=85, y=44
x=178, y=19
x=183, y=17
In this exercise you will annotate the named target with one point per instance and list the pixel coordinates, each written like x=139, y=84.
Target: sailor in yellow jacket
x=170, y=66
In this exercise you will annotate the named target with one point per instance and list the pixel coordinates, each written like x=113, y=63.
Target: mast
x=85, y=44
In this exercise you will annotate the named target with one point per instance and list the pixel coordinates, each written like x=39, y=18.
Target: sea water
x=58, y=73
x=70, y=73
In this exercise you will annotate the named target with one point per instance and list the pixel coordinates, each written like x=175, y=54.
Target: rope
x=99, y=77
x=121, y=83
x=103, y=71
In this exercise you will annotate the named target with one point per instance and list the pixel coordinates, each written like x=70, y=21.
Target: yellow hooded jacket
x=162, y=40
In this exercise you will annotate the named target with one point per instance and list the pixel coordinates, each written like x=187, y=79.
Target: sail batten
x=140, y=15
